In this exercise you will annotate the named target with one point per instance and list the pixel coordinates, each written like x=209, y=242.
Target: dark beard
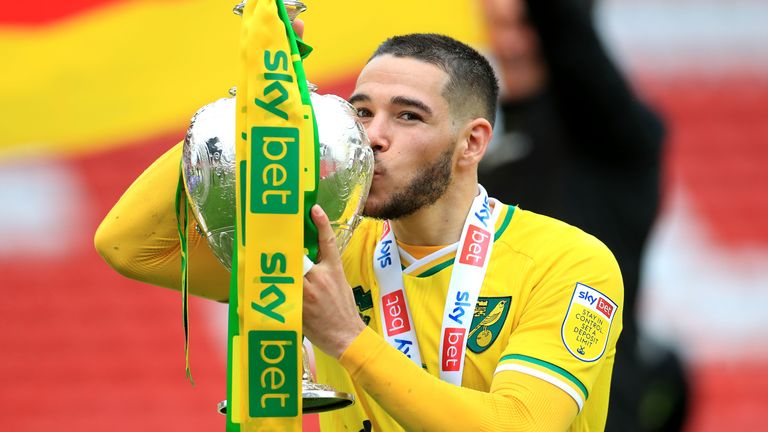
x=425, y=189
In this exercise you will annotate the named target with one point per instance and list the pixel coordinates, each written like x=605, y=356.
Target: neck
x=440, y=223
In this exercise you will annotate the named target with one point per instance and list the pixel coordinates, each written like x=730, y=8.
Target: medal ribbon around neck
x=470, y=265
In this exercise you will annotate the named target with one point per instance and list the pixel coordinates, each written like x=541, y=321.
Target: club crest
x=489, y=318
x=587, y=323
x=364, y=303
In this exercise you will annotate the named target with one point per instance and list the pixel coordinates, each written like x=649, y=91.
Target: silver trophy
x=346, y=170
x=346, y=166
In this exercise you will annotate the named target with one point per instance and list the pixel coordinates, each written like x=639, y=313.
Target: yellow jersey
x=550, y=307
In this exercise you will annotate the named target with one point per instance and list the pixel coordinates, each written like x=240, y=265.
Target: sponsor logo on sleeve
x=587, y=323
x=605, y=307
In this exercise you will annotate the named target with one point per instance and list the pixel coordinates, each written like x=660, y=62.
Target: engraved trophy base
x=316, y=398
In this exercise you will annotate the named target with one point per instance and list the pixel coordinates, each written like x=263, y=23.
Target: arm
x=139, y=237
x=517, y=400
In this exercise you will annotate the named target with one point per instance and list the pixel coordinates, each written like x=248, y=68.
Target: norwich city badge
x=490, y=314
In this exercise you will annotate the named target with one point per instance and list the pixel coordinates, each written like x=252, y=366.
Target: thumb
x=326, y=238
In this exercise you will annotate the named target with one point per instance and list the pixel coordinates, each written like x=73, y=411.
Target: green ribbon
x=182, y=208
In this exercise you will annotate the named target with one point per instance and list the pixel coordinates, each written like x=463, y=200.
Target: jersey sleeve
x=571, y=320
x=139, y=237
x=420, y=401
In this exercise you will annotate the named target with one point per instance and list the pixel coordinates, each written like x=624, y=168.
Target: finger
x=326, y=239
x=298, y=27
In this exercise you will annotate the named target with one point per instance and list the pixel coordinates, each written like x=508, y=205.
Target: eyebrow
x=396, y=100
x=359, y=97
x=415, y=103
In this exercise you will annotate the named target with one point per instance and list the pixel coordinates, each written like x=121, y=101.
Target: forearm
x=420, y=401
x=139, y=236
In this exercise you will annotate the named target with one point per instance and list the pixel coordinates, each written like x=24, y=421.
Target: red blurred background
x=95, y=90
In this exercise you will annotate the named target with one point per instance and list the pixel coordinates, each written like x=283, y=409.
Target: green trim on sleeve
x=554, y=368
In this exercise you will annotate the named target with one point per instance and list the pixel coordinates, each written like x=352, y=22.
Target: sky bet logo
x=385, y=254
x=395, y=316
x=484, y=213
x=275, y=170
x=273, y=356
x=453, y=343
x=602, y=306
x=585, y=295
x=475, y=247
x=275, y=150
x=458, y=311
x=272, y=374
x=278, y=62
x=385, y=229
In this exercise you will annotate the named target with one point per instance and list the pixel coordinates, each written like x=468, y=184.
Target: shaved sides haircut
x=472, y=89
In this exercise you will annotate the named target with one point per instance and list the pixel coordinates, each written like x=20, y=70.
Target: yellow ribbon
x=276, y=165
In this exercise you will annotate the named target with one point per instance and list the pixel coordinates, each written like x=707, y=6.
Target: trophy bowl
x=208, y=168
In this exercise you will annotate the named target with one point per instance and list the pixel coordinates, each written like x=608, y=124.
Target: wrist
x=345, y=340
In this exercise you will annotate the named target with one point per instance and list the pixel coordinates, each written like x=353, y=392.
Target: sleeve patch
x=587, y=323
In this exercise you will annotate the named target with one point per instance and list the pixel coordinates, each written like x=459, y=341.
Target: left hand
x=331, y=320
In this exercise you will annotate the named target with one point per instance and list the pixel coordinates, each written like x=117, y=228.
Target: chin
x=369, y=210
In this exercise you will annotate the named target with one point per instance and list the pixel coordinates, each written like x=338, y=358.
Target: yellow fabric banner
x=276, y=165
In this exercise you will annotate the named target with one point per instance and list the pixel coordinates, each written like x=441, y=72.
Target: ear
x=476, y=135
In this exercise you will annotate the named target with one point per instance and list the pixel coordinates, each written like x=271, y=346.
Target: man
x=449, y=310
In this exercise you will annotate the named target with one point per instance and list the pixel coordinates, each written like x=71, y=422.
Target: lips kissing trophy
x=252, y=167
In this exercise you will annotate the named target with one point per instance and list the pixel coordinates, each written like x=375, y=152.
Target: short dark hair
x=472, y=85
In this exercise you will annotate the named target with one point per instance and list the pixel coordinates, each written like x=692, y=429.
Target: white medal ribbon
x=396, y=322
x=470, y=265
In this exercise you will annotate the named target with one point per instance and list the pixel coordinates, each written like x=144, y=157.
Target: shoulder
x=558, y=254
x=546, y=239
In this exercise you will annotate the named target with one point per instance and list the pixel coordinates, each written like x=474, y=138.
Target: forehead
x=387, y=76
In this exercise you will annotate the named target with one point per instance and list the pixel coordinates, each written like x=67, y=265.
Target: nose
x=378, y=133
